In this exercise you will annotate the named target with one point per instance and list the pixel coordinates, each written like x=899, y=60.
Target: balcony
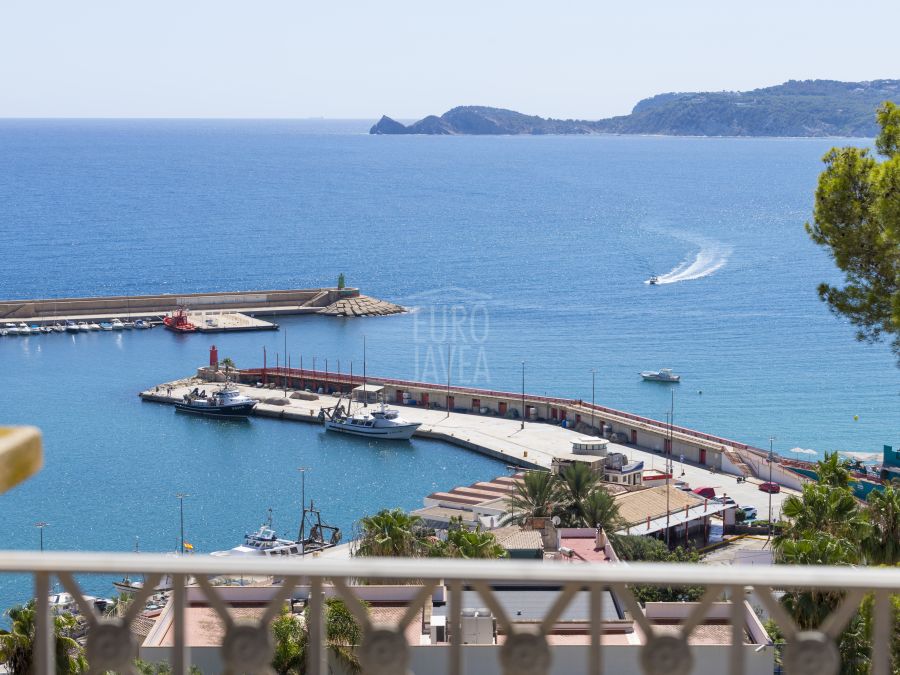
x=440, y=616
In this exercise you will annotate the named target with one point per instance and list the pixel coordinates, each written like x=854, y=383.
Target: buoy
x=700, y=391
x=856, y=418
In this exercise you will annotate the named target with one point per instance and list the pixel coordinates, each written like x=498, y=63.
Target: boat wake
x=711, y=257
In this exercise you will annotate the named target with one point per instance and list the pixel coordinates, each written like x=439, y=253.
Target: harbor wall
x=296, y=301
x=713, y=452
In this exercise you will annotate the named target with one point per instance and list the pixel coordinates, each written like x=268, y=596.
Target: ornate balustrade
x=525, y=649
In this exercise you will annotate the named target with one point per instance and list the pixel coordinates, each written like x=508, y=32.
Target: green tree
x=576, y=481
x=631, y=548
x=857, y=218
x=883, y=541
x=17, y=644
x=291, y=637
x=821, y=509
x=391, y=532
x=600, y=509
x=476, y=543
x=832, y=471
x=537, y=495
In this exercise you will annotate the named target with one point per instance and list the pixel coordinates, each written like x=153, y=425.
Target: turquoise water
x=510, y=248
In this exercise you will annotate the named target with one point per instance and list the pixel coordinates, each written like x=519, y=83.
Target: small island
x=808, y=108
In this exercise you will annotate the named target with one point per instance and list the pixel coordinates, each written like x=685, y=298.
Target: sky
x=361, y=59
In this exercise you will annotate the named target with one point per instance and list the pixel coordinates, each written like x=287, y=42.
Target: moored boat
x=227, y=401
x=58, y=327
x=141, y=324
x=179, y=322
x=83, y=326
x=11, y=329
x=24, y=329
x=71, y=326
x=380, y=422
x=661, y=375
x=117, y=324
x=265, y=542
x=105, y=325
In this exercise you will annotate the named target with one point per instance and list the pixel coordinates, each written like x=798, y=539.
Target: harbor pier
x=489, y=421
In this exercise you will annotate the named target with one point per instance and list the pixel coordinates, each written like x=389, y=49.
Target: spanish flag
x=187, y=546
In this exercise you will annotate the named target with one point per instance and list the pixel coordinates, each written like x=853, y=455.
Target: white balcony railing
x=524, y=649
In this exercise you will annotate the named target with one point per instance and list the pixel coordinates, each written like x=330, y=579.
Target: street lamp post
x=771, y=445
x=302, y=470
x=593, y=392
x=668, y=473
x=180, y=496
x=40, y=525
x=524, y=412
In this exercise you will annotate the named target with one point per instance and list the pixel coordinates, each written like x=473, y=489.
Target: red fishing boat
x=179, y=322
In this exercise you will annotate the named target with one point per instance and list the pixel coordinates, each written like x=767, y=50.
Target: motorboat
x=58, y=327
x=128, y=325
x=71, y=326
x=653, y=281
x=265, y=542
x=11, y=329
x=179, y=322
x=117, y=324
x=35, y=329
x=141, y=324
x=46, y=329
x=226, y=401
x=24, y=329
x=3, y=332
x=380, y=422
x=661, y=375
x=83, y=326
x=93, y=326
x=105, y=325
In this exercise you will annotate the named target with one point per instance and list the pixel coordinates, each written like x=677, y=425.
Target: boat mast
x=365, y=389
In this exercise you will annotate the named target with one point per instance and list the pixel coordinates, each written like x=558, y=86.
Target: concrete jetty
x=536, y=444
x=328, y=301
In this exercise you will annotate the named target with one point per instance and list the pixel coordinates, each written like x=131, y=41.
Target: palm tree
x=291, y=634
x=390, y=533
x=601, y=510
x=17, y=644
x=831, y=471
x=227, y=364
x=883, y=543
x=809, y=608
x=537, y=495
x=476, y=543
x=823, y=509
x=577, y=481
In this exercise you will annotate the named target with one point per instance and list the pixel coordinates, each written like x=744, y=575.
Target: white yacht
x=93, y=326
x=11, y=328
x=83, y=326
x=116, y=324
x=661, y=375
x=379, y=422
x=58, y=327
x=24, y=329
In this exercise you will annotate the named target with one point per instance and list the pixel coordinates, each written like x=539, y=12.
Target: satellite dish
x=556, y=521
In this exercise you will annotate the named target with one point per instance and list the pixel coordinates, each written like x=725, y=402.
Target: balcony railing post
x=736, y=655
x=595, y=661
x=317, y=655
x=44, y=653
x=456, y=663
x=881, y=643
x=179, y=653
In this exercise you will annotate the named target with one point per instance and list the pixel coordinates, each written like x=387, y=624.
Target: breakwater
x=330, y=301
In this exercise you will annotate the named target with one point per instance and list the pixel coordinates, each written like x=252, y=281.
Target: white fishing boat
x=265, y=542
x=227, y=401
x=377, y=422
x=661, y=375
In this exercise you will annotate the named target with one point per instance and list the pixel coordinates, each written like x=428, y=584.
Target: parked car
x=725, y=499
x=770, y=487
x=707, y=492
x=749, y=512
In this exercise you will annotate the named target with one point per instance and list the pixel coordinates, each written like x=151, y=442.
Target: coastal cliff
x=796, y=108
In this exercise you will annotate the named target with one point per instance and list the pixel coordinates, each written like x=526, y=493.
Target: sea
x=519, y=257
